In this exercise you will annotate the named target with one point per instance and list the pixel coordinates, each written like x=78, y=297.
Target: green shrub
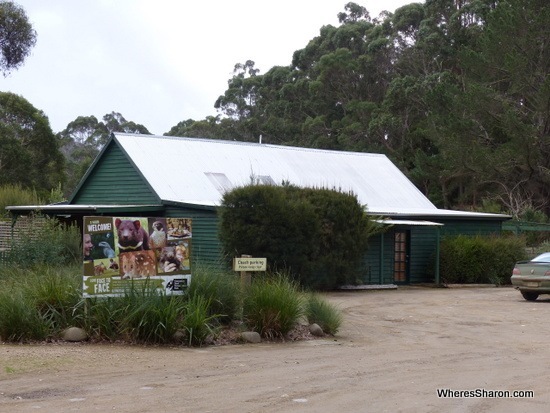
x=543, y=247
x=272, y=305
x=323, y=313
x=318, y=235
x=16, y=195
x=478, y=259
x=344, y=230
x=263, y=221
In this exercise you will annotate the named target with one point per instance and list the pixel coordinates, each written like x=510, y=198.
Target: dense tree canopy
x=29, y=150
x=17, y=37
x=455, y=92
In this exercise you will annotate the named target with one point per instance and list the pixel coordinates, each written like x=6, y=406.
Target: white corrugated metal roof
x=195, y=171
x=178, y=168
x=75, y=207
x=408, y=222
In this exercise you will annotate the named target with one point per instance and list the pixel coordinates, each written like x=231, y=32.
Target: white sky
x=158, y=62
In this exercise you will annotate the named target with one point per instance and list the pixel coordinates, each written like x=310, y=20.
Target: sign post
x=246, y=264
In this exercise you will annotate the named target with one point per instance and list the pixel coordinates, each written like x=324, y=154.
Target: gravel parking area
x=395, y=350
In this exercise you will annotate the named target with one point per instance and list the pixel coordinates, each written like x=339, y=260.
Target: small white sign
x=249, y=264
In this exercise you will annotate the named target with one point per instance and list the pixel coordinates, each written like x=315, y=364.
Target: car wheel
x=529, y=296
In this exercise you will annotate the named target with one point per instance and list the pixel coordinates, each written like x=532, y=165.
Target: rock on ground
x=251, y=337
x=316, y=330
x=74, y=334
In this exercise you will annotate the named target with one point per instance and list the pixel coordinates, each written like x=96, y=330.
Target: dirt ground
x=395, y=349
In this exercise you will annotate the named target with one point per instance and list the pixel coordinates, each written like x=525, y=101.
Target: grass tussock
x=150, y=317
x=199, y=323
x=323, y=313
x=38, y=302
x=20, y=321
x=221, y=289
x=272, y=305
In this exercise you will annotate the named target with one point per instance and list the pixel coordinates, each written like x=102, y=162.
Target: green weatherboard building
x=161, y=176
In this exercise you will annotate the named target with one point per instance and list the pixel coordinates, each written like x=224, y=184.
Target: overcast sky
x=158, y=62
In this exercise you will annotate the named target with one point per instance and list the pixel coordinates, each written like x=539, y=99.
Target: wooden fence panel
x=24, y=227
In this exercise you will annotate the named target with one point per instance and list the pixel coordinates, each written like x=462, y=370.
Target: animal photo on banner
x=119, y=251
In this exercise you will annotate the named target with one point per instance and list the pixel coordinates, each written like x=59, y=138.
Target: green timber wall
x=423, y=243
x=206, y=248
x=470, y=227
x=423, y=248
x=114, y=180
x=379, y=257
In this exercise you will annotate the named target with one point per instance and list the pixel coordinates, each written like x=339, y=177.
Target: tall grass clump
x=323, y=313
x=221, y=289
x=19, y=319
x=102, y=317
x=272, y=305
x=152, y=317
x=38, y=302
x=110, y=318
x=142, y=315
x=11, y=276
x=55, y=293
x=198, y=322
x=147, y=316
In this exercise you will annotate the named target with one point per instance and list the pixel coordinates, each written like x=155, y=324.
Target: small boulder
x=251, y=337
x=179, y=336
x=74, y=334
x=316, y=330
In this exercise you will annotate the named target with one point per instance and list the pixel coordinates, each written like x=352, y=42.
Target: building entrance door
x=401, y=257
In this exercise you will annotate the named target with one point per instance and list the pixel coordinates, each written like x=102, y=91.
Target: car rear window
x=542, y=257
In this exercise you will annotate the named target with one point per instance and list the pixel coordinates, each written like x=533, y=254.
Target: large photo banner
x=122, y=251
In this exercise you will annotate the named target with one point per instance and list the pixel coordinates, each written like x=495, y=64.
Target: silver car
x=532, y=278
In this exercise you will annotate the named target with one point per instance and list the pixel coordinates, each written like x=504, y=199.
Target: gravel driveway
x=395, y=349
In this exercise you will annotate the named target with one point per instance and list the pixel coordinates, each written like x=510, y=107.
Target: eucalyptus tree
x=239, y=102
x=508, y=82
x=455, y=92
x=29, y=151
x=212, y=127
x=115, y=122
x=17, y=36
x=84, y=137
